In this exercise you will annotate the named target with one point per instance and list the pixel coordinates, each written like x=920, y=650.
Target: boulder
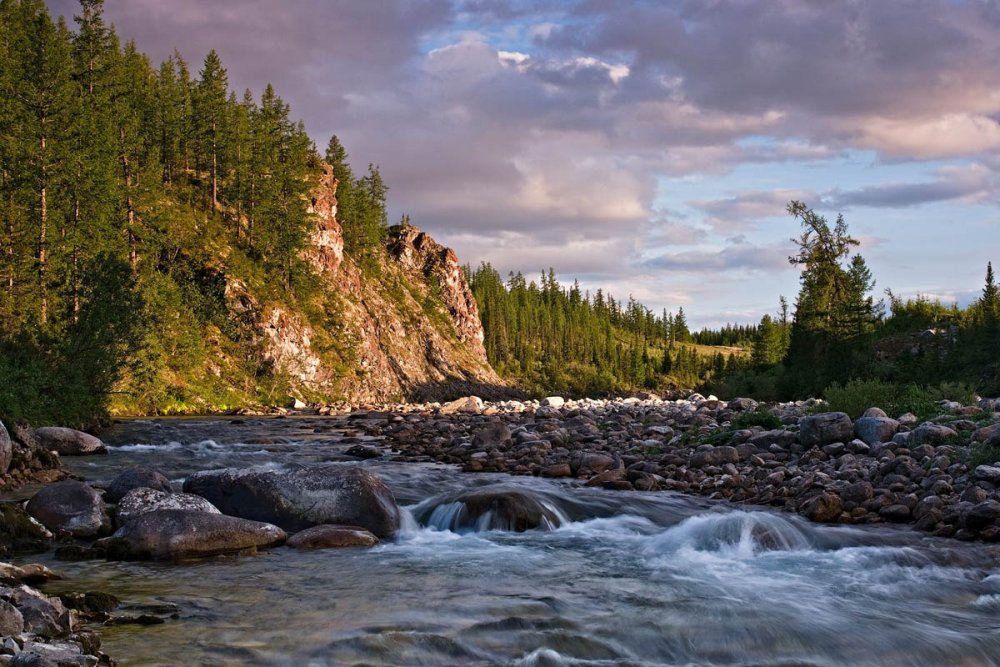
x=824, y=428
x=825, y=507
x=873, y=430
x=332, y=537
x=497, y=508
x=715, y=456
x=983, y=515
x=11, y=620
x=29, y=573
x=136, y=478
x=874, y=412
x=930, y=434
x=553, y=401
x=469, y=404
x=6, y=450
x=69, y=442
x=181, y=534
x=44, y=616
x=779, y=437
x=301, y=497
x=986, y=434
x=144, y=500
x=70, y=506
x=491, y=435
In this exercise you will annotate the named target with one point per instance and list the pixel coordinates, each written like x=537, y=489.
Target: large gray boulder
x=824, y=428
x=6, y=450
x=875, y=430
x=181, y=534
x=136, y=478
x=490, y=508
x=70, y=506
x=69, y=442
x=931, y=434
x=145, y=500
x=302, y=497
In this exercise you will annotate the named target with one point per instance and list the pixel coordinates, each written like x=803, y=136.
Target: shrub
x=759, y=417
x=858, y=395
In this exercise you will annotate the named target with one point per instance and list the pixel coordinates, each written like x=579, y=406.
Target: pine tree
x=209, y=112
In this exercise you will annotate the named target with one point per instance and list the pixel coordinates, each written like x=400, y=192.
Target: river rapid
x=621, y=578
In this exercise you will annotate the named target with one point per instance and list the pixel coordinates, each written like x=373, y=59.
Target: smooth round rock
x=136, y=478
x=332, y=537
x=144, y=500
x=182, y=534
x=302, y=497
x=69, y=442
x=70, y=506
x=6, y=450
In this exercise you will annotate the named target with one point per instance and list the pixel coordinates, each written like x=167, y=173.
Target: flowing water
x=615, y=579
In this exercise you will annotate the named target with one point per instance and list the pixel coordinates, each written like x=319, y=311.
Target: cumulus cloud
x=523, y=130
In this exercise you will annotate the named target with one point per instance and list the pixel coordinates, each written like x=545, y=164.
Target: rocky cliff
x=410, y=331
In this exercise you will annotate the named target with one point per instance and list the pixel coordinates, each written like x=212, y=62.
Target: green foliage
x=983, y=455
x=129, y=195
x=858, y=395
x=759, y=417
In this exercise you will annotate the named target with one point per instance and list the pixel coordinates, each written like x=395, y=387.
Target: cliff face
x=410, y=332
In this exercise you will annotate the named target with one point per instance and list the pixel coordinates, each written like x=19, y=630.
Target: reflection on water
x=619, y=579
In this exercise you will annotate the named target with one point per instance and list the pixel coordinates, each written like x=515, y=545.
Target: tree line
x=126, y=191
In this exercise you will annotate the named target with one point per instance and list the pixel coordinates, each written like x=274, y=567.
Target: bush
x=759, y=417
x=858, y=395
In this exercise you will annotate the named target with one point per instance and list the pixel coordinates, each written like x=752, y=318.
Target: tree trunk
x=43, y=233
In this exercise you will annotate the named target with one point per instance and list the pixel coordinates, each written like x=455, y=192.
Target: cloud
x=740, y=257
x=974, y=184
x=745, y=209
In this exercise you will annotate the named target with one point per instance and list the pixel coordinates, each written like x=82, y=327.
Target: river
x=622, y=578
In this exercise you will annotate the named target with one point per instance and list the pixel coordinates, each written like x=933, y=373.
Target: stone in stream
x=70, y=506
x=144, y=500
x=491, y=509
x=136, y=478
x=43, y=616
x=332, y=537
x=182, y=534
x=6, y=450
x=69, y=442
x=824, y=428
x=825, y=507
x=20, y=532
x=302, y=497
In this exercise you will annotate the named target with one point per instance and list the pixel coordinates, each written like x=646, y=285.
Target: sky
x=647, y=148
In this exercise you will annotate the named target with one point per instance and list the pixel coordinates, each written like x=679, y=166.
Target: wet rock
x=825, y=507
x=875, y=430
x=302, y=497
x=6, y=450
x=72, y=507
x=11, y=620
x=364, y=452
x=491, y=509
x=983, y=515
x=182, y=534
x=332, y=537
x=824, y=428
x=136, y=478
x=557, y=470
x=69, y=442
x=897, y=513
x=30, y=573
x=144, y=500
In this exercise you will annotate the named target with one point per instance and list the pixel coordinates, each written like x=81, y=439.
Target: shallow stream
x=620, y=579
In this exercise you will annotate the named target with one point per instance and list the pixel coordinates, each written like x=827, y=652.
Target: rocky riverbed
x=941, y=475
x=447, y=568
